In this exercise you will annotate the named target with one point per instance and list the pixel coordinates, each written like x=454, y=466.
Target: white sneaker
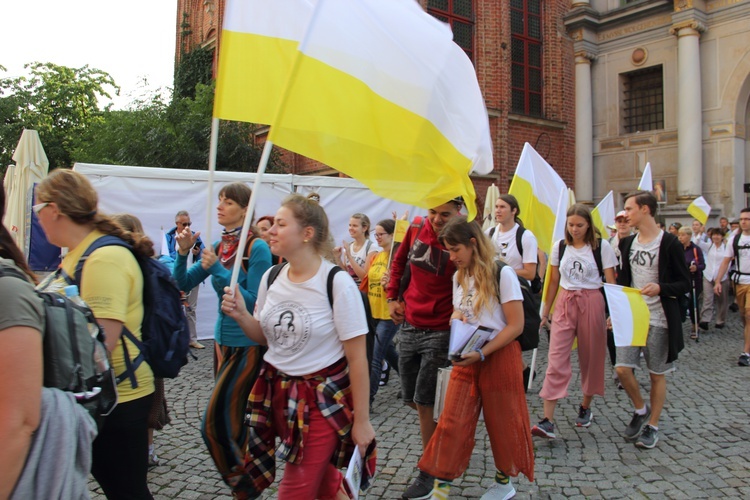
x=500, y=491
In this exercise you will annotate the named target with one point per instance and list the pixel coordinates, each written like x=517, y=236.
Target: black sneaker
x=421, y=488
x=719, y=326
x=703, y=325
x=635, y=426
x=648, y=438
x=734, y=307
x=545, y=429
x=744, y=359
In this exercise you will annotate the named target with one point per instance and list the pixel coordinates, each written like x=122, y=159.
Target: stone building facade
x=524, y=62
x=665, y=82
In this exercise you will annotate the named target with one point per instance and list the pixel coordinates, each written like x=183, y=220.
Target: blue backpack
x=165, y=333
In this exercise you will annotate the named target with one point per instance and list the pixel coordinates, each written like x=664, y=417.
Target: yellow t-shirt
x=112, y=286
x=375, y=291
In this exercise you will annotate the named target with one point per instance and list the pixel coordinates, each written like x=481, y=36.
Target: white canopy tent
x=156, y=194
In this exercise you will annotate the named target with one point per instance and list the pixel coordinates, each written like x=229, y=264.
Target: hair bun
x=314, y=197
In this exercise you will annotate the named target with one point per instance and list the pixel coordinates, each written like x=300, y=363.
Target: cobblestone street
x=702, y=452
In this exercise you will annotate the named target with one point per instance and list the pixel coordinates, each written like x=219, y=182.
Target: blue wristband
x=481, y=354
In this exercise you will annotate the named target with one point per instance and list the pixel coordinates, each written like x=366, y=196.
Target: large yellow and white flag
x=604, y=214
x=629, y=314
x=258, y=47
x=381, y=92
x=700, y=209
x=647, y=183
x=537, y=188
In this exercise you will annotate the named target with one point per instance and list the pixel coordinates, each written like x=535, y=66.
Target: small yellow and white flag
x=629, y=314
x=699, y=209
x=604, y=214
x=647, y=183
x=402, y=226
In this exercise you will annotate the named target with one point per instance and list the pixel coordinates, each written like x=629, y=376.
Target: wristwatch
x=388, y=301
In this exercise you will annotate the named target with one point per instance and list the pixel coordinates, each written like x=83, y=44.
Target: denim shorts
x=421, y=353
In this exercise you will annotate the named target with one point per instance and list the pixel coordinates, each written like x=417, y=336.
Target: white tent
x=155, y=194
x=31, y=167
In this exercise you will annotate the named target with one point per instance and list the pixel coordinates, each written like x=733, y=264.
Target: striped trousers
x=224, y=430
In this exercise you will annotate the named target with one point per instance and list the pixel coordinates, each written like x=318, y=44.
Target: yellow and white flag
x=629, y=314
x=380, y=92
x=402, y=226
x=537, y=188
x=604, y=214
x=558, y=233
x=699, y=209
x=258, y=47
x=647, y=183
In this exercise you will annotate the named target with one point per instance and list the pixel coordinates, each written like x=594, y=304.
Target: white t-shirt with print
x=505, y=245
x=578, y=269
x=493, y=316
x=360, y=257
x=644, y=267
x=744, y=279
x=304, y=335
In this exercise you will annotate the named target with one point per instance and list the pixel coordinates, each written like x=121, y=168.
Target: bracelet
x=388, y=301
x=481, y=354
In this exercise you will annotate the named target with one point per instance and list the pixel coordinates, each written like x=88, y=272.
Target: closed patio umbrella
x=31, y=167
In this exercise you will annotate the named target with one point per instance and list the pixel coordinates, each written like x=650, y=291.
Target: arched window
x=526, y=57
x=460, y=15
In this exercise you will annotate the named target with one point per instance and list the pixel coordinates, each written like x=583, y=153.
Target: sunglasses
x=186, y=224
x=38, y=207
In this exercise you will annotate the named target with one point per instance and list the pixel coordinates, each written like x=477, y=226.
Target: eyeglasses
x=186, y=224
x=38, y=207
x=380, y=235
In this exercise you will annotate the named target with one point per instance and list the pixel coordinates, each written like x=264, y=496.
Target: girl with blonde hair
x=489, y=378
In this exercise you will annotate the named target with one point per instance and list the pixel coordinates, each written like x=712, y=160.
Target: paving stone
x=702, y=451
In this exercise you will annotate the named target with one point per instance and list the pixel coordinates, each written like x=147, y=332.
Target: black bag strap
x=597, y=255
x=492, y=231
x=519, y=240
x=275, y=270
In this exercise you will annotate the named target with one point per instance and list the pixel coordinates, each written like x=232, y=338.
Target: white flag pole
x=532, y=366
x=249, y=214
x=213, y=148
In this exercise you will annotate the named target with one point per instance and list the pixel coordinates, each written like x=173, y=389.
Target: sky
x=133, y=41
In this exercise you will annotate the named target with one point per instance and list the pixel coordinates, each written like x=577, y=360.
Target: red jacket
x=429, y=295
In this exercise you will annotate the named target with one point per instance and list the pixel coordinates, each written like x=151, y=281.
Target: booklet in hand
x=466, y=338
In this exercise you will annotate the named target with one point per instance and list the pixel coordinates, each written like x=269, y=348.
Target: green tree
x=175, y=135
x=57, y=101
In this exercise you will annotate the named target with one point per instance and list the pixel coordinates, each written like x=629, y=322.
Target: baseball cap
x=621, y=213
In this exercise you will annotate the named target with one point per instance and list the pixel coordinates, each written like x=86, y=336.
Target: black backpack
x=735, y=273
x=370, y=339
x=165, y=334
x=68, y=352
x=536, y=283
x=529, y=338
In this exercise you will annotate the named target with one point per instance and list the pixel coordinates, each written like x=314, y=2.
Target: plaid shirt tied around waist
x=329, y=389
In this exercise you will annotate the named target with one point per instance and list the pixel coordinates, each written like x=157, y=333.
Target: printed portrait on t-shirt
x=431, y=259
x=575, y=275
x=290, y=324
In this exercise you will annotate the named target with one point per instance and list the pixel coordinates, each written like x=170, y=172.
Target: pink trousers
x=578, y=313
